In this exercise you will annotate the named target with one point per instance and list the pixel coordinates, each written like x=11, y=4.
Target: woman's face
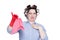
x=31, y=15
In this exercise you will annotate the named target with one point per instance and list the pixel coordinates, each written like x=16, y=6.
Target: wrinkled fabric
x=18, y=25
x=14, y=17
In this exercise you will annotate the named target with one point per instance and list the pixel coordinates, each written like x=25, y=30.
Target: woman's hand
x=35, y=26
x=41, y=31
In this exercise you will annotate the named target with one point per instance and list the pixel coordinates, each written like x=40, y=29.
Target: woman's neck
x=31, y=22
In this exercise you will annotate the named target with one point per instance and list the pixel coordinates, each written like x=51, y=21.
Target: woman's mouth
x=32, y=17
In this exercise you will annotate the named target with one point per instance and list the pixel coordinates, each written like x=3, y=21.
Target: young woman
x=32, y=30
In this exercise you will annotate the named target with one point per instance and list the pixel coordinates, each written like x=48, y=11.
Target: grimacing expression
x=31, y=15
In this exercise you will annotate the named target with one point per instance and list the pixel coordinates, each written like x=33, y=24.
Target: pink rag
x=18, y=25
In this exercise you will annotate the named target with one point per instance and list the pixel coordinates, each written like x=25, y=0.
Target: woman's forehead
x=32, y=11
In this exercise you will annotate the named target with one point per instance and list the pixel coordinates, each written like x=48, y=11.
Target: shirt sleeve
x=9, y=30
x=46, y=37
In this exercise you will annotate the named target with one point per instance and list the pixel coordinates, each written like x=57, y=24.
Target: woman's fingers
x=35, y=26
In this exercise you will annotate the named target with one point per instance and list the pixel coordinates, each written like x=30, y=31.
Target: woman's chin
x=32, y=20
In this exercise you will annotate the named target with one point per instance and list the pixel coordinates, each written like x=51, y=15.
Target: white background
x=49, y=16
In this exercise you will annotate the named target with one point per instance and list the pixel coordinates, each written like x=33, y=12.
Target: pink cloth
x=14, y=17
x=18, y=25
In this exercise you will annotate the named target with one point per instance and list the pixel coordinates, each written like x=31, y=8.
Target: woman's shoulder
x=24, y=22
x=38, y=24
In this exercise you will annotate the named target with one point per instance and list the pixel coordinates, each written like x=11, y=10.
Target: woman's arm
x=15, y=25
x=42, y=31
x=10, y=26
x=43, y=34
x=18, y=25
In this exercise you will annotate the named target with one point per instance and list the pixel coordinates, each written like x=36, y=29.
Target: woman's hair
x=30, y=7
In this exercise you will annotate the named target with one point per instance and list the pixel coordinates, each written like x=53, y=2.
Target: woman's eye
x=34, y=13
x=30, y=13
